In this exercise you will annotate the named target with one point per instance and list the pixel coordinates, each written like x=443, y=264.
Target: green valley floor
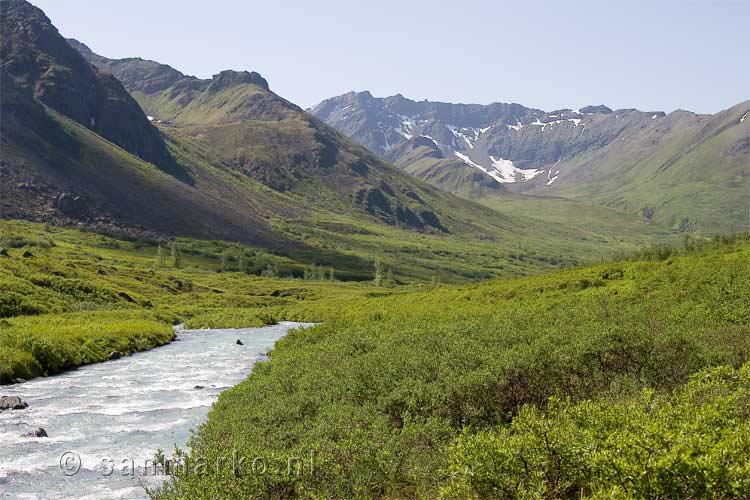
x=624, y=379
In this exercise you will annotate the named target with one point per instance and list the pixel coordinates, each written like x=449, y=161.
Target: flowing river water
x=109, y=419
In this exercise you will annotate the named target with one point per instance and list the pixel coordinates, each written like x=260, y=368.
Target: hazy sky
x=652, y=55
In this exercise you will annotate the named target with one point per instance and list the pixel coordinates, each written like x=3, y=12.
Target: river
x=109, y=419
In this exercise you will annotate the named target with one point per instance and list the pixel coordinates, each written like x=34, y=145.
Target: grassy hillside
x=116, y=191
x=71, y=297
x=587, y=217
x=690, y=173
x=446, y=392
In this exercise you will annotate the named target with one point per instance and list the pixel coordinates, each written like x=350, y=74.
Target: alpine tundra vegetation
x=491, y=301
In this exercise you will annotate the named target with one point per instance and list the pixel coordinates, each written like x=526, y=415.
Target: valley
x=379, y=297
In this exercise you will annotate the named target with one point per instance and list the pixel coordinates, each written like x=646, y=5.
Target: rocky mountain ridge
x=648, y=163
x=510, y=143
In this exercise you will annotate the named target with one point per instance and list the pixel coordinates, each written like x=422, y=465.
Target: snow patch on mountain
x=553, y=174
x=470, y=135
x=744, y=117
x=402, y=132
x=460, y=135
x=539, y=123
x=430, y=138
x=470, y=163
x=502, y=170
x=510, y=172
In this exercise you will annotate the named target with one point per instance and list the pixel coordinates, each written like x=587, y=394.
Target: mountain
x=687, y=171
x=258, y=134
x=56, y=75
x=77, y=148
x=241, y=119
x=227, y=159
x=647, y=163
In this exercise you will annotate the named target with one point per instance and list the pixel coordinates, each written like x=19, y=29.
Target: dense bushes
x=15, y=304
x=94, y=295
x=47, y=344
x=400, y=390
x=692, y=444
x=230, y=318
x=381, y=391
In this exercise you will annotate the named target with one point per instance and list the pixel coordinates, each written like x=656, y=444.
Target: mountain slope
x=687, y=171
x=509, y=142
x=647, y=163
x=261, y=135
x=32, y=54
x=242, y=165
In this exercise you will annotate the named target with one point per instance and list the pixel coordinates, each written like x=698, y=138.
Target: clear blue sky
x=652, y=55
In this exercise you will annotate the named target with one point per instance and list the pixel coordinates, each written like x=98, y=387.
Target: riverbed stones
x=37, y=433
x=12, y=403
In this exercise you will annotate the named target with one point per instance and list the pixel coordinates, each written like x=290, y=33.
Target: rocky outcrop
x=12, y=403
x=230, y=78
x=38, y=433
x=596, y=109
x=71, y=205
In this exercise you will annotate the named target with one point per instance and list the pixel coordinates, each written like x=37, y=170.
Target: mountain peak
x=364, y=96
x=79, y=46
x=230, y=78
x=601, y=108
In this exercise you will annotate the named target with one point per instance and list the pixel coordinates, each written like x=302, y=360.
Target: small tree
x=161, y=257
x=270, y=271
x=308, y=273
x=176, y=255
x=245, y=263
x=378, y=277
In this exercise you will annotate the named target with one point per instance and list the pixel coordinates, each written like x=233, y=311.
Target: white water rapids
x=110, y=418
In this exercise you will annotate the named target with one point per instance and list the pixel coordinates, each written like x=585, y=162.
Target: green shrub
x=17, y=364
x=382, y=389
x=692, y=444
x=51, y=343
